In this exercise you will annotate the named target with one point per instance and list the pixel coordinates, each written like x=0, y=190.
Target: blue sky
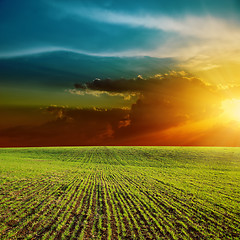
x=201, y=37
x=115, y=28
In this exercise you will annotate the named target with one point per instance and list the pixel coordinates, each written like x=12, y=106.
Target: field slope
x=120, y=193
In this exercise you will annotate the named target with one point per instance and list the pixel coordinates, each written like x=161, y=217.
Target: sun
x=231, y=109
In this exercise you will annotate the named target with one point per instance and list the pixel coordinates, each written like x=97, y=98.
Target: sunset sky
x=105, y=72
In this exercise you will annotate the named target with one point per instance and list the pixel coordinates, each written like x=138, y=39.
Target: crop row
x=94, y=193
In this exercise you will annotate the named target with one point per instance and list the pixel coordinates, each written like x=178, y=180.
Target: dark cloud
x=165, y=101
x=69, y=127
x=114, y=86
x=159, y=82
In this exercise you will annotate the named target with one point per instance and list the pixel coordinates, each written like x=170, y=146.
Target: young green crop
x=119, y=193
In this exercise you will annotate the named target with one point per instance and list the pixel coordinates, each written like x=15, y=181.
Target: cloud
x=134, y=85
x=90, y=125
x=202, y=26
x=186, y=35
x=96, y=93
x=69, y=126
x=164, y=101
x=158, y=83
x=28, y=51
x=111, y=87
x=173, y=100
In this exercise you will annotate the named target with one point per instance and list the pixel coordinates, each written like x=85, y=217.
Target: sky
x=111, y=72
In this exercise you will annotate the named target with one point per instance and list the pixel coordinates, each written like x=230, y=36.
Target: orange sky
x=170, y=109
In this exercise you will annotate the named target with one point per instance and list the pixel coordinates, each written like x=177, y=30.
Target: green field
x=120, y=193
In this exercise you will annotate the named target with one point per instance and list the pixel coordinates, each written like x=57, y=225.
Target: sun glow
x=231, y=109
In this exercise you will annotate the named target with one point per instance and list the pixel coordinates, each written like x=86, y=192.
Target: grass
x=120, y=193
